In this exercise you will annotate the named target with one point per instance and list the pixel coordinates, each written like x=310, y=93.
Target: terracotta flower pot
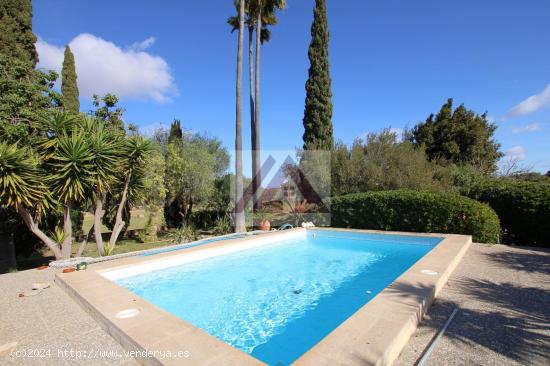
x=264, y=225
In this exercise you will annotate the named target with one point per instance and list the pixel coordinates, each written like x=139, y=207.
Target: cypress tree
x=16, y=36
x=69, y=88
x=318, y=106
x=176, y=133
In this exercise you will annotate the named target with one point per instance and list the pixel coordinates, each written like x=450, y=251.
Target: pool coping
x=368, y=337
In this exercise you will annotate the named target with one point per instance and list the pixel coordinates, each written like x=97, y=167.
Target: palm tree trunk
x=256, y=175
x=252, y=112
x=66, y=246
x=33, y=227
x=239, y=203
x=119, y=222
x=98, y=216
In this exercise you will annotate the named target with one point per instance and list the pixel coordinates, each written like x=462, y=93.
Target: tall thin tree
x=259, y=15
x=318, y=105
x=239, y=202
x=69, y=87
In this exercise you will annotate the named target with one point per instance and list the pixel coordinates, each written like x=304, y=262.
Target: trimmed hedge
x=523, y=208
x=405, y=210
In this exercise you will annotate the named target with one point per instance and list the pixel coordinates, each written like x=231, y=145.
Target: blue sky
x=392, y=64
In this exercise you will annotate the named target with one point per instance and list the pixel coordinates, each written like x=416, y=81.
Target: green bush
x=523, y=208
x=405, y=210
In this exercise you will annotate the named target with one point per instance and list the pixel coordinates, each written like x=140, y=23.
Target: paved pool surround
x=374, y=335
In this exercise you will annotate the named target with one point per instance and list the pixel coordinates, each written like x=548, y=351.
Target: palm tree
x=135, y=156
x=239, y=203
x=106, y=145
x=23, y=188
x=259, y=15
x=59, y=168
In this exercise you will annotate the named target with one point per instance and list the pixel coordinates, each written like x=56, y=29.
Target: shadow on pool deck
x=504, y=311
x=529, y=260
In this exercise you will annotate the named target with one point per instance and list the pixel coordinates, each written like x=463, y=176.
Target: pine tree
x=69, y=88
x=459, y=136
x=176, y=133
x=318, y=106
x=16, y=36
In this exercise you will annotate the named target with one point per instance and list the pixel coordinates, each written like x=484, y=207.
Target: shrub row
x=405, y=210
x=523, y=208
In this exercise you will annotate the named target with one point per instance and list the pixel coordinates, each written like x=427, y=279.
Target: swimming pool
x=276, y=301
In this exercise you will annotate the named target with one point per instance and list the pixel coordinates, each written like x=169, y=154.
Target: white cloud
x=531, y=104
x=533, y=127
x=143, y=45
x=103, y=67
x=516, y=153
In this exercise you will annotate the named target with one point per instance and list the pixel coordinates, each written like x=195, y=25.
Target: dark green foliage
x=318, y=105
x=460, y=136
x=548, y=174
x=523, y=208
x=69, y=87
x=26, y=96
x=176, y=132
x=205, y=219
x=415, y=211
x=11, y=224
x=16, y=36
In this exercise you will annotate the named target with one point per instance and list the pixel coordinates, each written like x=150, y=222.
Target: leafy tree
x=26, y=96
x=548, y=174
x=189, y=177
x=240, y=225
x=155, y=195
x=460, y=136
x=176, y=132
x=318, y=105
x=16, y=36
x=380, y=162
x=108, y=111
x=69, y=88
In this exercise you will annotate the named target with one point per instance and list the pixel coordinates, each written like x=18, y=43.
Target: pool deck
x=503, y=294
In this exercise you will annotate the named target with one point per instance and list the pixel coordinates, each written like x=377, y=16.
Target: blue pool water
x=277, y=301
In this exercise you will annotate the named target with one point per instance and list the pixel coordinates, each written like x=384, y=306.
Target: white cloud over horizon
x=517, y=152
x=103, y=67
x=531, y=104
x=533, y=127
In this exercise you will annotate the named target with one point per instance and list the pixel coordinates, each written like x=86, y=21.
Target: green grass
x=122, y=246
x=138, y=220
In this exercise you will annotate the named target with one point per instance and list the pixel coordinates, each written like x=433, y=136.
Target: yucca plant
x=135, y=156
x=22, y=186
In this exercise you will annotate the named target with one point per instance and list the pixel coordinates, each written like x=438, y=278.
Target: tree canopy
x=459, y=136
